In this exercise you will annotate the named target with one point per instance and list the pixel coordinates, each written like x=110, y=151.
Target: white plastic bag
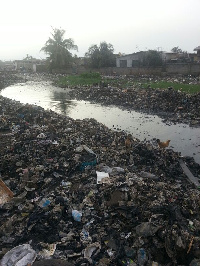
x=19, y=256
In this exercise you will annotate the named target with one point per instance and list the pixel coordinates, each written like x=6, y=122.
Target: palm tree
x=58, y=49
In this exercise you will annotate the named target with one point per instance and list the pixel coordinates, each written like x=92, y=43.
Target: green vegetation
x=188, y=88
x=58, y=50
x=124, y=82
x=152, y=59
x=176, y=49
x=82, y=79
x=101, y=56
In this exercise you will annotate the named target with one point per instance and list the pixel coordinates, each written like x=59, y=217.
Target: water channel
x=183, y=138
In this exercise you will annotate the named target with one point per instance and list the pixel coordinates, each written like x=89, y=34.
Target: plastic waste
x=118, y=169
x=88, y=158
x=66, y=184
x=101, y=177
x=44, y=203
x=85, y=237
x=142, y=257
x=146, y=229
x=21, y=255
x=48, y=252
x=76, y=215
x=90, y=249
x=41, y=136
x=148, y=175
x=106, y=169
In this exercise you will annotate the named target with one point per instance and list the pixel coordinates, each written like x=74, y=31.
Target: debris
x=44, y=203
x=102, y=177
x=76, y=215
x=186, y=170
x=190, y=245
x=148, y=175
x=133, y=206
x=19, y=256
x=5, y=193
x=90, y=250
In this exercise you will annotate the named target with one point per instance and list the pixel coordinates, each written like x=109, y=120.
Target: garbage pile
x=173, y=106
x=74, y=192
x=9, y=78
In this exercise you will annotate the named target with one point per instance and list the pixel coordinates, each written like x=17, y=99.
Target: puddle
x=183, y=138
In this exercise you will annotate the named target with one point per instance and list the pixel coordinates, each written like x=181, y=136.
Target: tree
x=58, y=49
x=101, y=56
x=152, y=58
x=176, y=49
x=28, y=57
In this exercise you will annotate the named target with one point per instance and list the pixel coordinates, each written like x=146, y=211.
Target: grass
x=188, y=88
x=91, y=78
x=82, y=79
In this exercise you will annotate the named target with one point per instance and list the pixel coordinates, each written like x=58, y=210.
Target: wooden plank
x=186, y=170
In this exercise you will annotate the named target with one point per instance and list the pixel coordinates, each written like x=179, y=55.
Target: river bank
x=173, y=106
x=144, y=209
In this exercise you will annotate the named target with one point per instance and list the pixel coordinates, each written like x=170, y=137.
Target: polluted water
x=184, y=138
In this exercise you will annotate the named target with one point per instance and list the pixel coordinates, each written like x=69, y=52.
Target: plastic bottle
x=142, y=257
x=76, y=215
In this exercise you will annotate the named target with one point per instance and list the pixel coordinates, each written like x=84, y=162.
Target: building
x=197, y=49
x=138, y=59
x=28, y=64
x=130, y=60
x=7, y=66
x=169, y=56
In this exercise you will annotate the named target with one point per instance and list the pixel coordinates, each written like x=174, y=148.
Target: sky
x=129, y=25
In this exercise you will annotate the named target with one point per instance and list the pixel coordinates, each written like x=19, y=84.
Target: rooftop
x=197, y=48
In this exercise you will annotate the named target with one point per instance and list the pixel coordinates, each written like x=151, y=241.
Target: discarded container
x=76, y=215
x=44, y=203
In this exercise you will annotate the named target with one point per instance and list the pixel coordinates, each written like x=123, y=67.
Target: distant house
x=7, y=66
x=169, y=56
x=183, y=57
x=130, y=60
x=27, y=65
x=197, y=49
x=137, y=59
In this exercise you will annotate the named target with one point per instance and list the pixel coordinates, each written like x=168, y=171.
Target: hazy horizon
x=130, y=26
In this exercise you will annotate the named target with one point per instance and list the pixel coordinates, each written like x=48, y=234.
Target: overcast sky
x=129, y=25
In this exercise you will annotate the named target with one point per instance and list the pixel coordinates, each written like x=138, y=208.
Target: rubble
x=8, y=79
x=143, y=211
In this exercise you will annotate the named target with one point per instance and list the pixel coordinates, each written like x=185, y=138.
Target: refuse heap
x=73, y=192
x=8, y=78
x=171, y=105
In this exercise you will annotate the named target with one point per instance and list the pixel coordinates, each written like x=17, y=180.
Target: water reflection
x=183, y=138
x=60, y=103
